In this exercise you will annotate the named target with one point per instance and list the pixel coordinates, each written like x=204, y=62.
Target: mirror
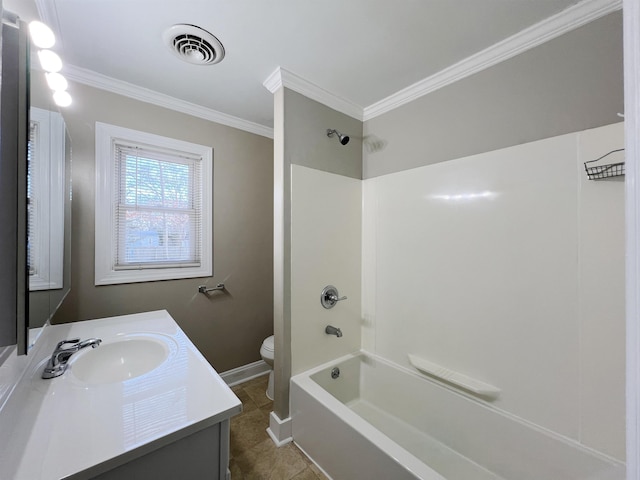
x=49, y=207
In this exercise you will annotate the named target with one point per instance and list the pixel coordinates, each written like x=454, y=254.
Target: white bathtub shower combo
x=484, y=322
x=376, y=420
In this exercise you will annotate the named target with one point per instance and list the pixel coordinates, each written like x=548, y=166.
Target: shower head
x=344, y=139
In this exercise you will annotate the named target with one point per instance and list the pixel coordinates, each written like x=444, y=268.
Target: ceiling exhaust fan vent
x=193, y=44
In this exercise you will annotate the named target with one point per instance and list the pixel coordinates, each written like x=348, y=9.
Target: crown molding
x=284, y=78
x=97, y=80
x=548, y=29
x=274, y=81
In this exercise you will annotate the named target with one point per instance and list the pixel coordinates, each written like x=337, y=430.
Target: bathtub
x=380, y=421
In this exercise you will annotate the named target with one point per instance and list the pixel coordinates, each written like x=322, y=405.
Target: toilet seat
x=267, y=345
x=266, y=352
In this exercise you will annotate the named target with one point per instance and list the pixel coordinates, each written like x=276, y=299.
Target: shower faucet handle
x=330, y=296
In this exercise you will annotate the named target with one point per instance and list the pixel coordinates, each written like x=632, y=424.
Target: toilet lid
x=268, y=343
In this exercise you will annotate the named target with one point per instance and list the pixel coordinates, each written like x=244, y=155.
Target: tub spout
x=333, y=331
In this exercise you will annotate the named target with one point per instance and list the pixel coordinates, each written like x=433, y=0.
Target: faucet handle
x=330, y=296
x=64, y=342
x=335, y=298
x=92, y=342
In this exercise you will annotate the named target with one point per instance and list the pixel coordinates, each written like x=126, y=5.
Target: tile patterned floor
x=254, y=456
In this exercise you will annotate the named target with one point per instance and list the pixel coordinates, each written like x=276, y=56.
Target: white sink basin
x=119, y=360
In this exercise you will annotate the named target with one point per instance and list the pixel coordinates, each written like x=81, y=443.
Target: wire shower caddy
x=598, y=172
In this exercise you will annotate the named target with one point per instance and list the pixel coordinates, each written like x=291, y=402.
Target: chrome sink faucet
x=58, y=362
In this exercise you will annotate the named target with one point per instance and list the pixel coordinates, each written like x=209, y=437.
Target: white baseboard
x=245, y=373
x=279, y=430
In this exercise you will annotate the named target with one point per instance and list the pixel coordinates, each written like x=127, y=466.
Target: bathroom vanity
x=144, y=404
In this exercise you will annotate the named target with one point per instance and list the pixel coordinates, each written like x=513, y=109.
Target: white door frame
x=631, y=10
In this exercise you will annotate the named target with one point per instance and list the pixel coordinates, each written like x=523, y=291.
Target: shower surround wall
x=508, y=266
x=326, y=225
x=317, y=225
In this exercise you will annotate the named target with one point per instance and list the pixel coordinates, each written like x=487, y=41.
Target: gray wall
x=228, y=327
x=300, y=138
x=569, y=84
x=306, y=143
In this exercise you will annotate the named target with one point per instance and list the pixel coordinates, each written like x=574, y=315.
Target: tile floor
x=254, y=456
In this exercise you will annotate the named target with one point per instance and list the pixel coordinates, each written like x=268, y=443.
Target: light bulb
x=41, y=35
x=56, y=82
x=50, y=61
x=62, y=98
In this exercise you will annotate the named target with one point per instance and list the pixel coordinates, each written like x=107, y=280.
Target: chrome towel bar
x=205, y=290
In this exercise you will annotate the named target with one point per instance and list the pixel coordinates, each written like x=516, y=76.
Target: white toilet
x=266, y=352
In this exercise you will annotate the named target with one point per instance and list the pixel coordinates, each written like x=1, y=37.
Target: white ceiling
x=360, y=50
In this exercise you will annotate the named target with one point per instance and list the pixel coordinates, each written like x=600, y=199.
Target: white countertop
x=58, y=428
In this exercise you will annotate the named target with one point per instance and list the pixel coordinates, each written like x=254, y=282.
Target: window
x=45, y=199
x=153, y=207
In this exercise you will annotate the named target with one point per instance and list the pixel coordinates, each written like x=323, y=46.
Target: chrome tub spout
x=330, y=330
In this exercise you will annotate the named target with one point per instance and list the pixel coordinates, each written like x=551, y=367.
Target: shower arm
x=342, y=138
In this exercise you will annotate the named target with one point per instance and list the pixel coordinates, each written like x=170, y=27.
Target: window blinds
x=157, y=208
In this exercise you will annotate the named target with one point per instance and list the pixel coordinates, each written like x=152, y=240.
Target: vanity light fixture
x=56, y=81
x=50, y=61
x=41, y=35
x=62, y=98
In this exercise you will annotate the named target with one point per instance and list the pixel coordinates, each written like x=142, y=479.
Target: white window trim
x=49, y=163
x=105, y=273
